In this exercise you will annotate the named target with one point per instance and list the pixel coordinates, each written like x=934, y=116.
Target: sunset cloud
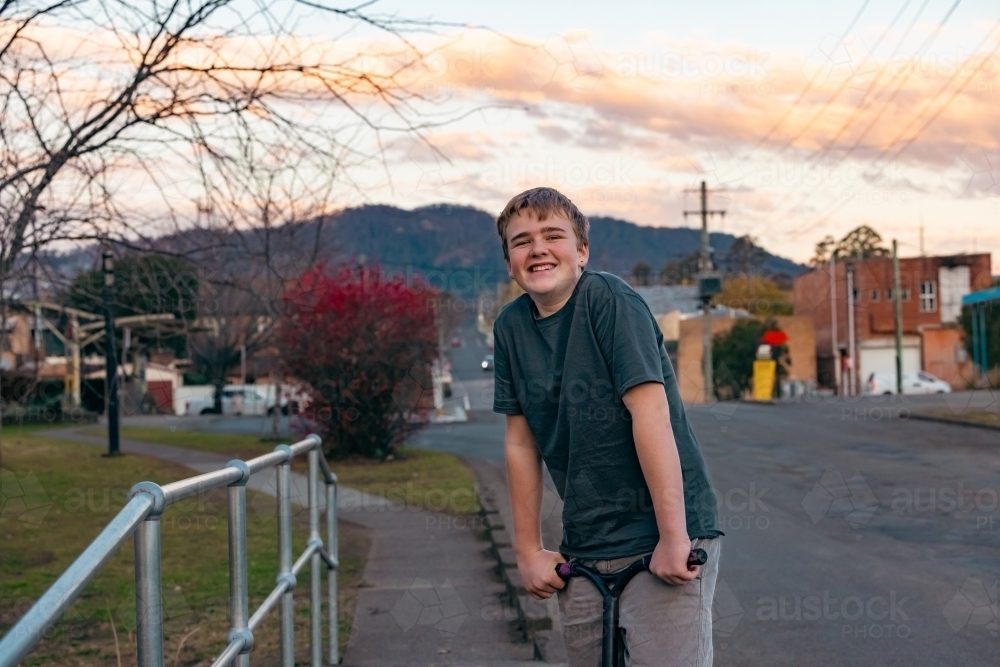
x=742, y=97
x=797, y=146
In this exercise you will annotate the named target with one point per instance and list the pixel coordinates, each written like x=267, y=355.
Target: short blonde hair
x=542, y=203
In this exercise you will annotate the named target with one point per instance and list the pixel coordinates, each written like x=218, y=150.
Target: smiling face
x=546, y=260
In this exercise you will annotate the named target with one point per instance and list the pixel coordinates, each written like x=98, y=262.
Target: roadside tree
x=756, y=295
x=359, y=340
x=861, y=243
x=680, y=271
x=745, y=256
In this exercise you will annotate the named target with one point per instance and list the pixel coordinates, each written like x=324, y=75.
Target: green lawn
x=228, y=444
x=59, y=495
x=434, y=480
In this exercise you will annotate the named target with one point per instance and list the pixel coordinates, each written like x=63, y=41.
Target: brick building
x=931, y=288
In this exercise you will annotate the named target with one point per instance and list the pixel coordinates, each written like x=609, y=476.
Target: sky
x=808, y=119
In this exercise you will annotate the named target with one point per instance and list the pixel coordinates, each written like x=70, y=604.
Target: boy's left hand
x=669, y=561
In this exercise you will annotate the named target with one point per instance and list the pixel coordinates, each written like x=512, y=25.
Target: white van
x=914, y=382
x=236, y=399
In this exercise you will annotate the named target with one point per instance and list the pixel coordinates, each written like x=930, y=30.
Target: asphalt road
x=855, y=534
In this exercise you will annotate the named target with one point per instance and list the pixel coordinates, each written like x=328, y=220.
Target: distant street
x=854, y=534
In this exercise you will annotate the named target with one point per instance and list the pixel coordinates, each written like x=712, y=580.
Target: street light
x=110, y=357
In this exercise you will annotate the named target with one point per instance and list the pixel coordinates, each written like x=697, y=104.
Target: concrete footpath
x=431, y=595
x=540, y=620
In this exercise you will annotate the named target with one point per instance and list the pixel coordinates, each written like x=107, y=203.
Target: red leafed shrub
x=365, y=345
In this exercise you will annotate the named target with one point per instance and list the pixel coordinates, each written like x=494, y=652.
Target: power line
x=862, y=105
x=812, y=81
x=909, y=142
x=928, y=42
x=926, y=125
x=923, y=49
x=847, y=80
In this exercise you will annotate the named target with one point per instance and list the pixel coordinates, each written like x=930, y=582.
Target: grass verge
x=435, y=481
x=974, y=417
x=58, y=496
x=235, y=445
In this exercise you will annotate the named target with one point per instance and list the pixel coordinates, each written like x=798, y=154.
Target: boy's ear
x=584, y=254
x=510, y=273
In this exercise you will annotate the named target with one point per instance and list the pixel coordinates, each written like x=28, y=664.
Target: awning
x=983, y=296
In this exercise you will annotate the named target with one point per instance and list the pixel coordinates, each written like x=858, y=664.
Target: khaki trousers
x=661, y=625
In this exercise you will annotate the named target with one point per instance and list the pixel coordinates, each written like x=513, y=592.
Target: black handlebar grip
x=697, y=557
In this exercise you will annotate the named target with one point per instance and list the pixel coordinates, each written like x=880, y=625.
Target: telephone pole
x=851, y=337
x=110, y=355
x=897, y=306
x=709, y=284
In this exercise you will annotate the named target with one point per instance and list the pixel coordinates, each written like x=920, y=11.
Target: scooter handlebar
x=696, y=557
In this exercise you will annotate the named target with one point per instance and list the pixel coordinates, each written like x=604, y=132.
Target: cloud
x=696, y=92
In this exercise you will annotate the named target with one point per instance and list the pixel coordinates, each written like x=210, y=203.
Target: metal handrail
x=141, y=517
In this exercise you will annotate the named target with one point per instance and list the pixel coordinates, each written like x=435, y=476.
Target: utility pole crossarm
x=129, y=320
x=55, y=331
x=62, y=309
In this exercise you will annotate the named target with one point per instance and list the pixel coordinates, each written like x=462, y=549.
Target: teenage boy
x=583, y=377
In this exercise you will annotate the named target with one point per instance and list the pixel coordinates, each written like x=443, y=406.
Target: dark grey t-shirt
x=566, y=374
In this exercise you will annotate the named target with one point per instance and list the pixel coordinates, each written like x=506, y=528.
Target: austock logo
x=426, y=604
x=568, y=62
x=851, y=499
x=24, y=499
x=726, y=611
x=978, y=171
x=175, y=609
x=416, y=389
x=974, y=605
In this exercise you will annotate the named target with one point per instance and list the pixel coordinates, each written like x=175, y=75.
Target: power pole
x=834, y=331
x=709, y=284
x=851, y=339
x=110, y=357
x=898, y=306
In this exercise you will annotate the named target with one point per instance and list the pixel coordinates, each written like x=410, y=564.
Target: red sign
x=774, y=337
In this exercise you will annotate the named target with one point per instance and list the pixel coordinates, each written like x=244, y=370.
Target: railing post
x=239, y=602
x=331, y=578
x=315, y=600
x=148, y=600
x=287, y=642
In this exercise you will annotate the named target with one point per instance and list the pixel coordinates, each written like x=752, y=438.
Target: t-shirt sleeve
x=504, y=397
x=628, y=338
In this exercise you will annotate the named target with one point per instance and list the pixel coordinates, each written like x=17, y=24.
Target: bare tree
x=106, y=105
x=125, y=120
x=230, y=320
x=267, y=213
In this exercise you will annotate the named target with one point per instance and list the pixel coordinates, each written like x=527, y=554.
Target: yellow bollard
x=764, y=371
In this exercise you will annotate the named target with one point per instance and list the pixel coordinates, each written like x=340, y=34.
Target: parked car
x=456, y=342
x=914, y=382
x=236, y=399
x=488, y=363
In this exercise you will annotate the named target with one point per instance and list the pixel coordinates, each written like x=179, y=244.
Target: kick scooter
x=611, y=586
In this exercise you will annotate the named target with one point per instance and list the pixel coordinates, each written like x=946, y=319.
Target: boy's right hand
x=538, y=572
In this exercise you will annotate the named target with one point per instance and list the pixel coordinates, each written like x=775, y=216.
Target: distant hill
x=445, y=237
x=455, y=247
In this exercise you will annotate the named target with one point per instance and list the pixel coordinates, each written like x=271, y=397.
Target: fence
x=141, y=516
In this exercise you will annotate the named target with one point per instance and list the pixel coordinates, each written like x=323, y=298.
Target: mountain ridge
x=453, y=244
x=461, y=237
